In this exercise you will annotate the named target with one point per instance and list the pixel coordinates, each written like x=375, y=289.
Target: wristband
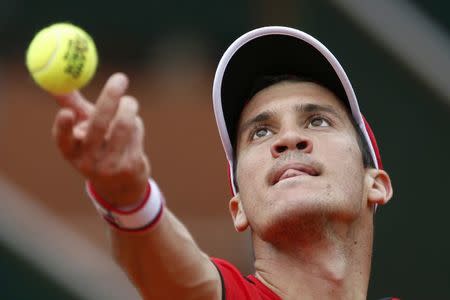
x=142, y=217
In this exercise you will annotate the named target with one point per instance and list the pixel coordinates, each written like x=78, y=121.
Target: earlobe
x=237, y=213
x=380, y=188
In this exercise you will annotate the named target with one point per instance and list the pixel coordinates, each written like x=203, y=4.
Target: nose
x=291, y=140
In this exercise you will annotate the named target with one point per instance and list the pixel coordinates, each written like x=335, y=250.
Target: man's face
x=298, y=158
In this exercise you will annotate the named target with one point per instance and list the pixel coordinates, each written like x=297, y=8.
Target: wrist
x=120, y=197
x=141, y=215
x=95, y=195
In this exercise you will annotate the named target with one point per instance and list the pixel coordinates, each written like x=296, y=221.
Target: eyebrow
x=314, y=108
x=259, y=118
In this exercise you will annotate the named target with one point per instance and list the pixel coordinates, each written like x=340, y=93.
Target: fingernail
x=121, y=80
x=80, y=131
x=117, y=84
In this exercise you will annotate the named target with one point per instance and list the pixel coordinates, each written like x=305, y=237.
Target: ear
x=380, y=188
x=237, y=213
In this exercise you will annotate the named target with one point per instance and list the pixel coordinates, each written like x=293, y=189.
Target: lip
x=292, y=170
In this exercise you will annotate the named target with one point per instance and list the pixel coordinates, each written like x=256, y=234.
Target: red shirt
x=237, y=287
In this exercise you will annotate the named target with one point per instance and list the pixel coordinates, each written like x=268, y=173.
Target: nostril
x=281, y=149
x=302, y=145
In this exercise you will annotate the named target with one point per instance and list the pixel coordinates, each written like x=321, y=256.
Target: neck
x=330, y=263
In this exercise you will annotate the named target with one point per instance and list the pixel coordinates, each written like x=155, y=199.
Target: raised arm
x=104, y=142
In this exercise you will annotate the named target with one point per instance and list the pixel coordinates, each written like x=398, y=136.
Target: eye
x=318, y=122
x=260, y=133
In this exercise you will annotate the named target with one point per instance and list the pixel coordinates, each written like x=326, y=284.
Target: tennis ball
x=61, y=58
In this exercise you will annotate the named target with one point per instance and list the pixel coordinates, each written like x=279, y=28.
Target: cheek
x=345, y=166
x=250, y=176
x=250, y=168
x=246, y=179
x=343, y=154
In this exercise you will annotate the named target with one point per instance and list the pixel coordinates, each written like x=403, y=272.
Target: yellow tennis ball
x=61, y=58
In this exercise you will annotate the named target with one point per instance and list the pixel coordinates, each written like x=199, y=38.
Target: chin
x=296, y=209
x=296, y=195
x=286, y=227
x=294, y=214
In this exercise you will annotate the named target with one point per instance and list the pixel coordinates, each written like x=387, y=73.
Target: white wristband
x=142, y=217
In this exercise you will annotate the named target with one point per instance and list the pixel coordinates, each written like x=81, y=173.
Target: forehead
x=287, y=93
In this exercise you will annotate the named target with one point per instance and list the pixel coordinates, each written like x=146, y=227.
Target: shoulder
x=236, y=287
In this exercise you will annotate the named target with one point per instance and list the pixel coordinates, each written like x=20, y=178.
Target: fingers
x=105, y=110
x=63, y=133
x=124, y=123
x=109, y=143
x=124, y=129
x=75, y=101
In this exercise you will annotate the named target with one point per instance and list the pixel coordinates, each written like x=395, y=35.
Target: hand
x=104, y=142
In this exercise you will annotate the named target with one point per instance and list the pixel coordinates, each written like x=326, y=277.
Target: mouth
x=292, y=170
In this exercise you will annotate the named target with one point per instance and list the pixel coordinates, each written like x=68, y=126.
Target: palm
x=104, y=142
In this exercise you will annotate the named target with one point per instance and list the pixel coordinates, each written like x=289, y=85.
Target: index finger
x=105, y=109
x=76, y=101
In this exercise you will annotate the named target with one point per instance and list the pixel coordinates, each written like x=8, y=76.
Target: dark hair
x=266, y=81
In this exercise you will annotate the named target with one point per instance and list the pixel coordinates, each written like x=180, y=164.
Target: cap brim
x=271, y=55
x=274, y=50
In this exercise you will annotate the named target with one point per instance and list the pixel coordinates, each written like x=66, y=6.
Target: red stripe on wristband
x=106, y=205
x=146, y=227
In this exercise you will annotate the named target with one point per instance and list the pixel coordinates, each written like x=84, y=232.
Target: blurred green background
x=409, y=115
